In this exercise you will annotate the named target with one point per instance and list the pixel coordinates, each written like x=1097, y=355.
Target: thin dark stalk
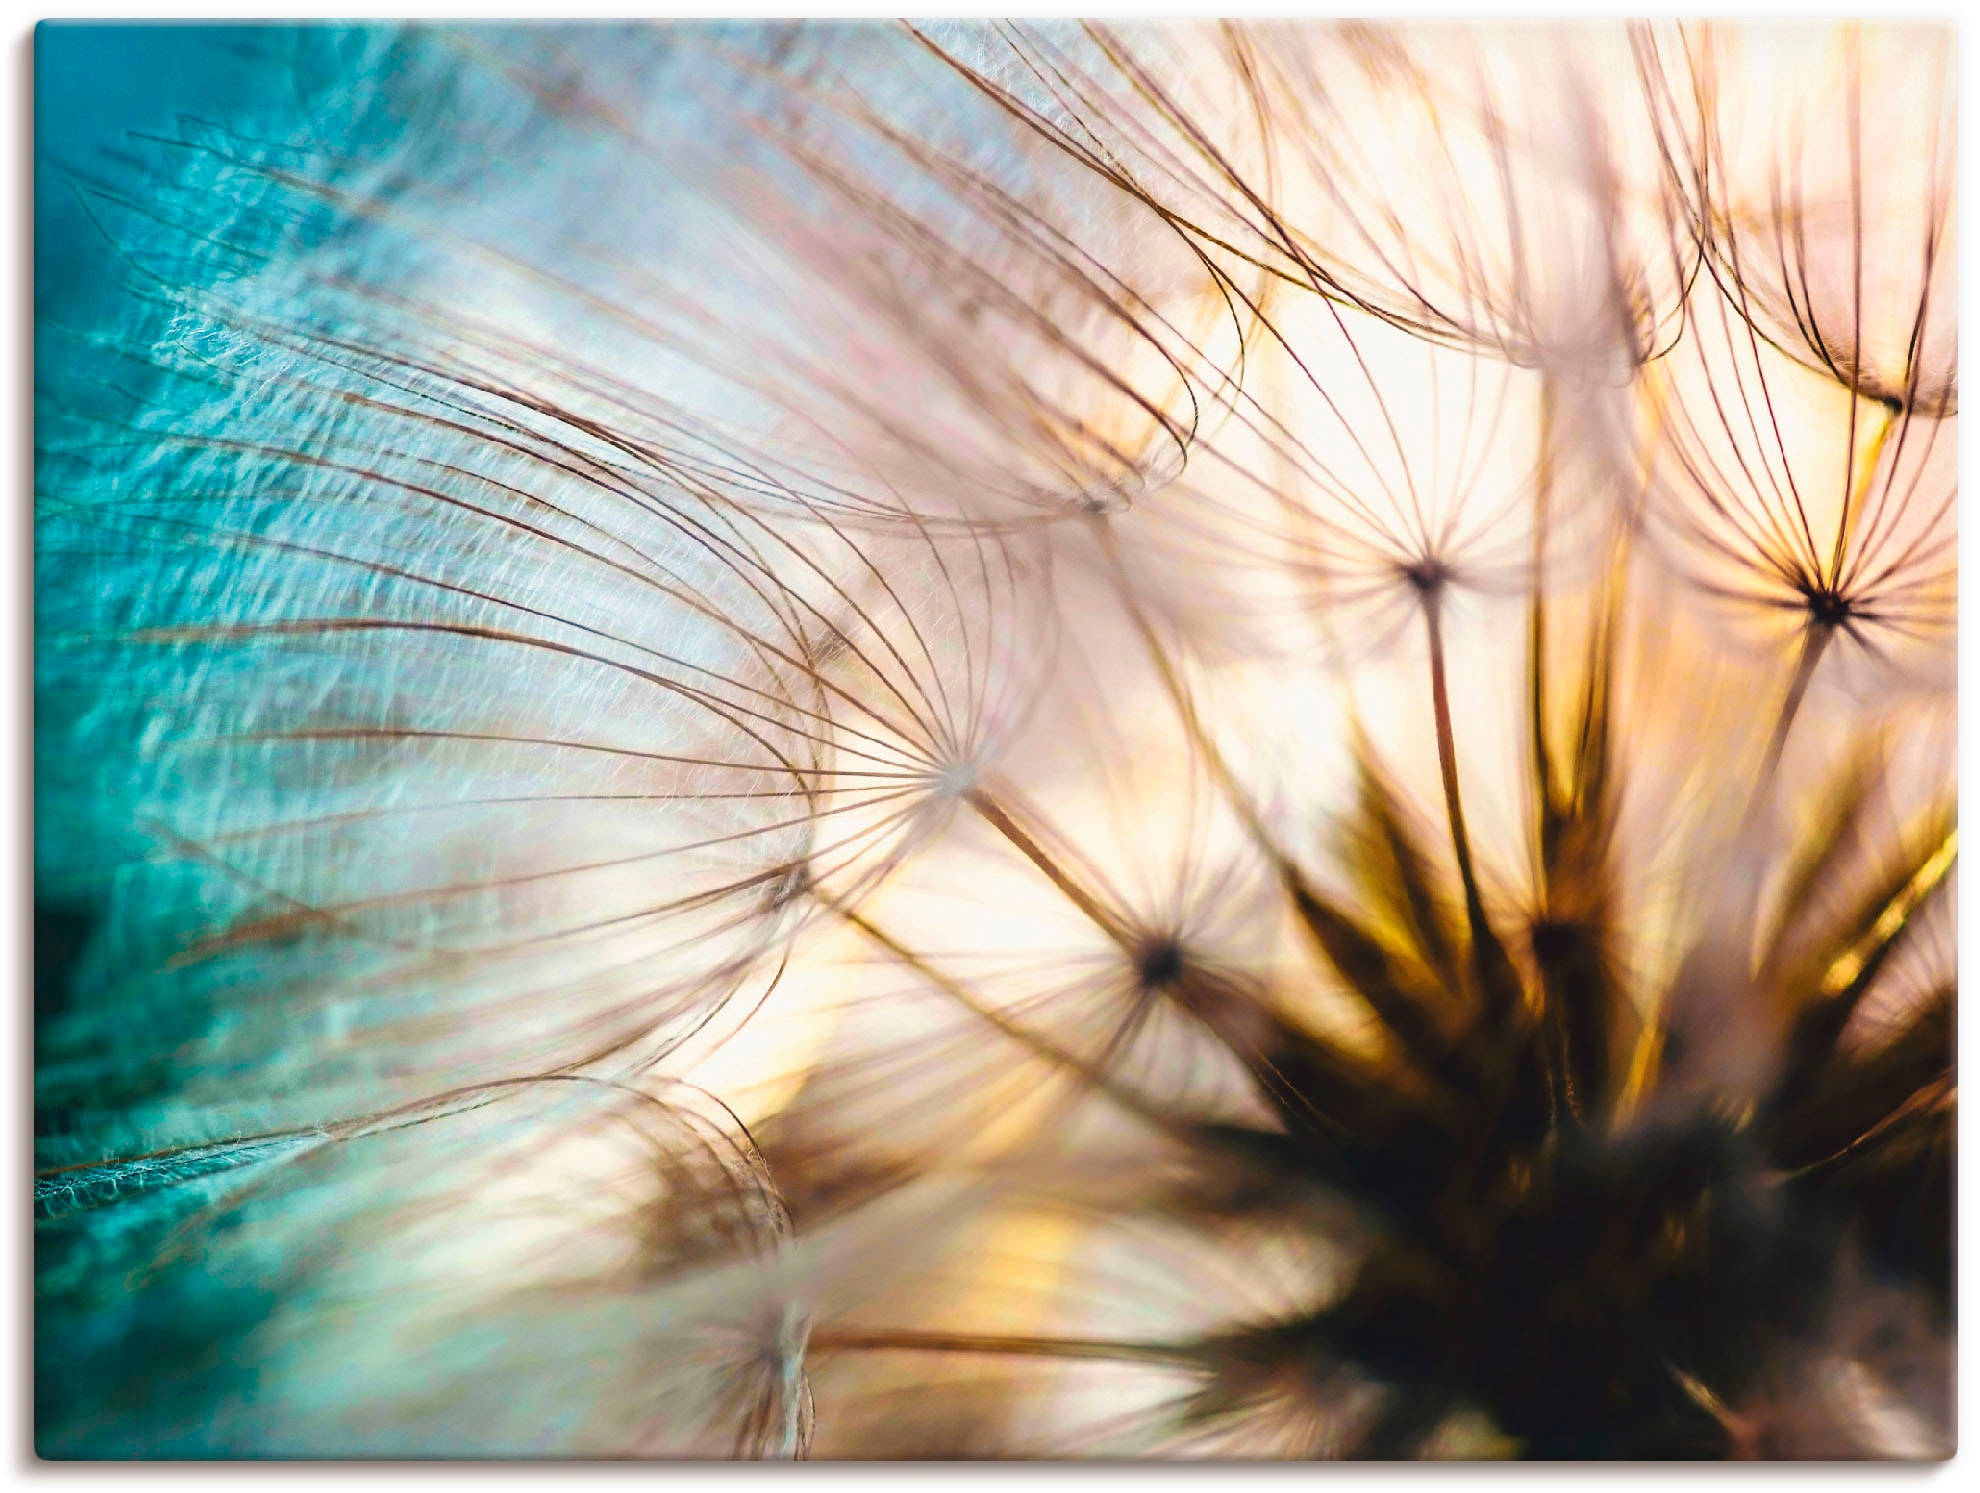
x=1543, y=486
x=902, y=1340
x=993, y=813
x=1815, y=641
x=1440, y=704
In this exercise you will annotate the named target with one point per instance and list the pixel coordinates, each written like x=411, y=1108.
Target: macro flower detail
x=1002, y=740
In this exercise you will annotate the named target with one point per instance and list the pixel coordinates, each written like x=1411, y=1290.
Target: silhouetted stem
x=1814, y=643
x=999, y=818
x=855, y=1339
x=1440, y=703
x=1543, y=488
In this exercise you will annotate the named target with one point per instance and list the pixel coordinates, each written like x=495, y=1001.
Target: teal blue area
x=113, y=104
x=98, y=85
